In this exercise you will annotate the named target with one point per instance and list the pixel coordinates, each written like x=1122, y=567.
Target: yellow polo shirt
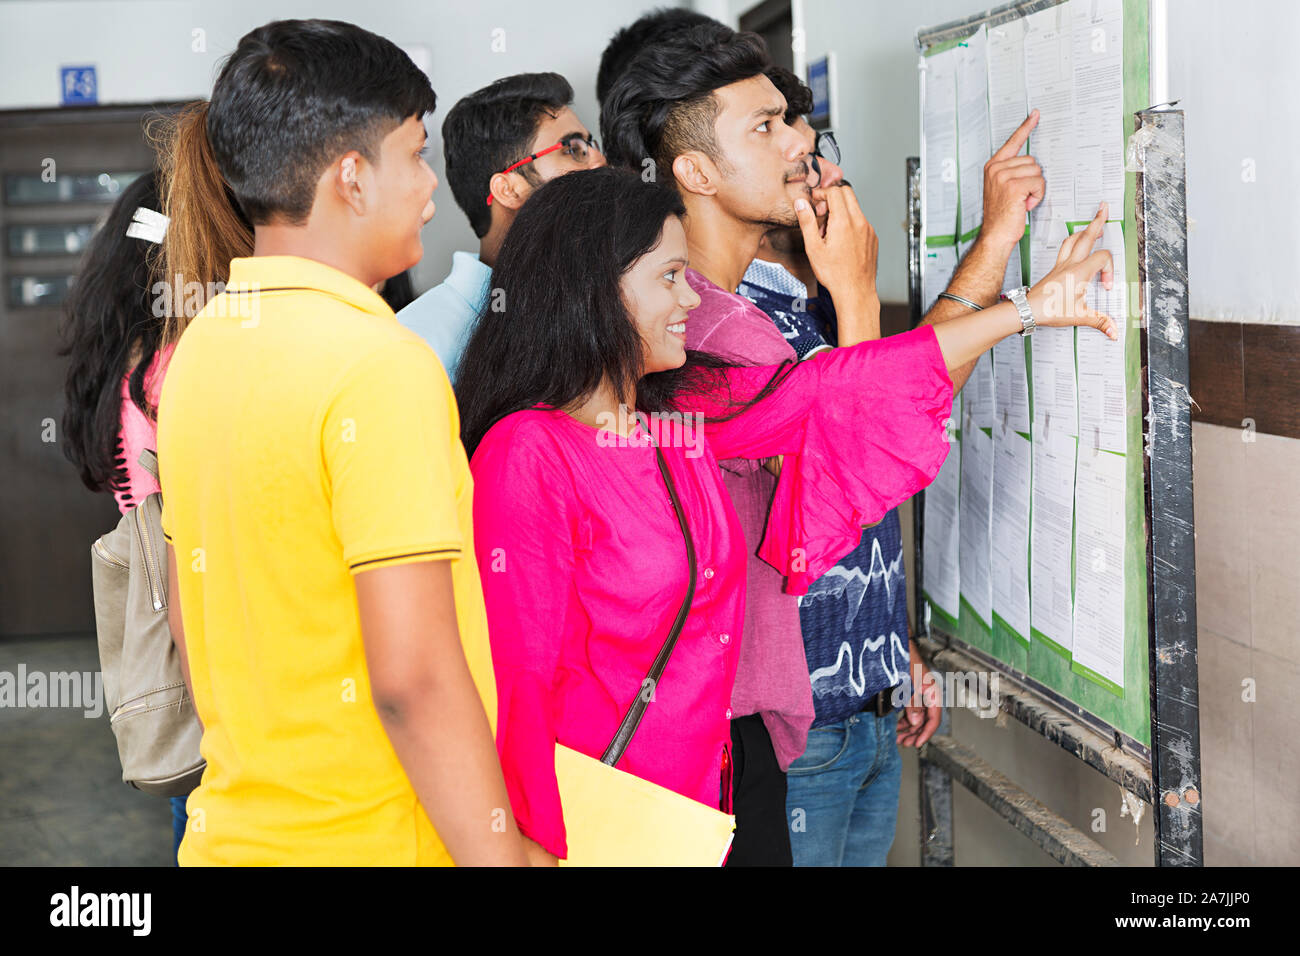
x=305, y=435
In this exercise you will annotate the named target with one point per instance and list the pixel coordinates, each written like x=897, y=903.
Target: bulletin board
x=1064, y=669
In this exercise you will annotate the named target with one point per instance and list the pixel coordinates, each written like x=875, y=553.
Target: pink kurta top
x=584, y=566
x=139, y=432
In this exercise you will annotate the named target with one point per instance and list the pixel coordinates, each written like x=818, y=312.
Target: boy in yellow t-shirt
x=324, y=595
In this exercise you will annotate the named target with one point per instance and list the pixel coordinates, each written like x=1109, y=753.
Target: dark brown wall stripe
x=1239, y=370
x=1243, y=370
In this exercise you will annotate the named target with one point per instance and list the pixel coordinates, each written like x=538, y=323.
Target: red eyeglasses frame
x=526, y=161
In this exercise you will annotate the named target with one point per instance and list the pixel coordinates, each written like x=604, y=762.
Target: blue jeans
x=842, y=794
x=178, y=826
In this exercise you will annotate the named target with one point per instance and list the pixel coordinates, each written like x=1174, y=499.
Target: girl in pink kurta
x=584, y=565
x=581, y=554
x=583, y=561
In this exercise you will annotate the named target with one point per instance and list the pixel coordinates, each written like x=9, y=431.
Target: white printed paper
x=973, y=148
x=1098, y=63
x=1011, y=386
x=1010, y=517
x=1049, y=87
x=1055, y=408
x=939, y=142
x=1012, y=278
x=1045, y=238
x=979, y=392
x=941, y=576
x=1053, y=348
x=1102, y=389
x=937, y=269
x=1006, y=58
x=1099, y=565
x=1051, y=545
x=1008, y=106
x=976, y=529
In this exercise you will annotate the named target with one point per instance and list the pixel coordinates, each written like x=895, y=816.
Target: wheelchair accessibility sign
x=80, y=86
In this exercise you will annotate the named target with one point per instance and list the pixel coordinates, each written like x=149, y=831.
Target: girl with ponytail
x=207, y=228
x=142, y=280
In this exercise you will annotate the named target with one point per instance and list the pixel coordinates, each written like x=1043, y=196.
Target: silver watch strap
x=1018, y=299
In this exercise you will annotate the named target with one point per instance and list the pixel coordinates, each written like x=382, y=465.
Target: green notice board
x=1127, y=709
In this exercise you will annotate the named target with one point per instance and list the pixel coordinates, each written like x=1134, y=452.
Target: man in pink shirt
x=713, y=128
x=716, y=133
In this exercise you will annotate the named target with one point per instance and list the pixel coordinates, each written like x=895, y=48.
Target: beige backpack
x=149, y=706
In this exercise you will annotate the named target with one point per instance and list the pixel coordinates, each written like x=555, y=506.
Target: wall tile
x=1227, y=754
x=1273, y=514
x=1222, y=544
x=1277, y=760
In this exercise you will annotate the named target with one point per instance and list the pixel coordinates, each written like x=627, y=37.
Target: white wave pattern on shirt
x=843, y=679
x=853, y=585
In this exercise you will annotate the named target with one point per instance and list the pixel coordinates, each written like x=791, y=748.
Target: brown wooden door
x=49, y=519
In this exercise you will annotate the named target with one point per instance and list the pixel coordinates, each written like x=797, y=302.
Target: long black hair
x=109, y=327
x=555, y=326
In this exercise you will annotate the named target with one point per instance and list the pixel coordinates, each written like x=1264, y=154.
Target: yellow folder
x=613, y=818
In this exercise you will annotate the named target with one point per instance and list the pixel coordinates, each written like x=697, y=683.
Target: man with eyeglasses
x=500, y=144
x=842, y=792
x=698, y=110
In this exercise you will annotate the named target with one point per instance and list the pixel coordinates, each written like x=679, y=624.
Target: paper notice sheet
x=976, y=530
x=979, y=393
x=1006, y=58
x=1049, y=86
x=1007, y=104
x=1098, y=62
x=939, y=142
x=1103, y=419
x=973, y=147
x=1010, y=516
x=939, y=265
x=1050, y=542
x=941, y=537
x=1011, y=406
x=1099, y=567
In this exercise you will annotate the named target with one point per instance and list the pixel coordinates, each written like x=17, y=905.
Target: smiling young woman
x=584, y=566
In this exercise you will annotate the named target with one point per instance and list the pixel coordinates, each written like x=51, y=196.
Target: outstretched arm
x=1058, y=299
x=1013, y=185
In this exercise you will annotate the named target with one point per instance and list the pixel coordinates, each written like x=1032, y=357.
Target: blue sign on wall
x=819, y=81
x=79, y=85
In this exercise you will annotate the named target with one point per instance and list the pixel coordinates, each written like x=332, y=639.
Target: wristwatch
x=1017, y=298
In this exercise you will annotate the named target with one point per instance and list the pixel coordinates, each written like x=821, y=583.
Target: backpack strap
x=148, y=460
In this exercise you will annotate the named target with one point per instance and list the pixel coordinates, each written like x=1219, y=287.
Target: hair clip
x=148, y=225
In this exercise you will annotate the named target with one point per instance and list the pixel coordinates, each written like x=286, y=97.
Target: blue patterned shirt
x=853, y=618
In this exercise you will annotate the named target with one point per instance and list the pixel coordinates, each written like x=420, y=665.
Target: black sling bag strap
x=635, y=712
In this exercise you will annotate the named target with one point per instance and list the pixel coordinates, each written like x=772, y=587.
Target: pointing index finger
x=1018, y=138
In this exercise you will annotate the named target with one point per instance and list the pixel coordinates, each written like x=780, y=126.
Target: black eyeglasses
x=827, y=148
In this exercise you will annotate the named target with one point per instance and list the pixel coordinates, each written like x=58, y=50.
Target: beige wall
x=1247, y=494
x=1248, y=634
x=1248, y=631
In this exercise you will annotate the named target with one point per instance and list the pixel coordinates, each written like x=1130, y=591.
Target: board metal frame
x=1167, y=774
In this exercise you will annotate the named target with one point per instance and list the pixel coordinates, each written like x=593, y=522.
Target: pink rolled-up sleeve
x=862, y=429
x=525, y=550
